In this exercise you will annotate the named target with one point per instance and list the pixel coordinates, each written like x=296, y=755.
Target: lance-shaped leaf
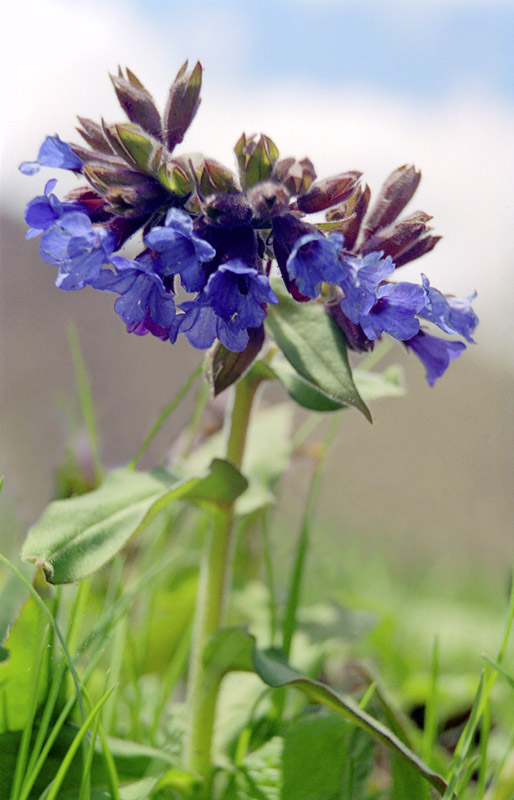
x=275, y=672
x=328, y=192
x=77, y=536
x=182, y=105
x=314, y=345
x=394, y=195
x=137, y=103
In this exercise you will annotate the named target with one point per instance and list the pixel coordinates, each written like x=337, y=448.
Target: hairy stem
x=215, y=577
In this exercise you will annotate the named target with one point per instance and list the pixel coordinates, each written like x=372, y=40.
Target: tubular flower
x=222, y=234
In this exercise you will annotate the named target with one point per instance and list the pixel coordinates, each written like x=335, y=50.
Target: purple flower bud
x=396, y=192
x=182, y=105
x=328, y=192
x=137, y=103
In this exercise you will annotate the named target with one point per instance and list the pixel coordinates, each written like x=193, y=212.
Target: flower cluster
x=217, y=237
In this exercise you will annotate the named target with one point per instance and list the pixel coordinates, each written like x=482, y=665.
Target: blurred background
x=359, y=84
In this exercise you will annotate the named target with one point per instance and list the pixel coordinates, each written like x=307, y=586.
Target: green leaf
x=184, y=784
x=324, y=760
x=229, y=650
x=300, y=390
x=314, y=345
x=258, y=777
x=274, y=671
x=75, y=537
x=23, y=644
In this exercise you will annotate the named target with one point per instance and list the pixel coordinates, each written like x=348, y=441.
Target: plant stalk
x=214, y=586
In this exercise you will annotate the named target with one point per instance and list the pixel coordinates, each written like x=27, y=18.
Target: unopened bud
x=394, y=195
x=137, y=103
x=182, y=105
x=268, y=199
x=328, y=192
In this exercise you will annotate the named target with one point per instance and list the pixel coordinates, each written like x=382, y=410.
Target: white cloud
x=464, y=144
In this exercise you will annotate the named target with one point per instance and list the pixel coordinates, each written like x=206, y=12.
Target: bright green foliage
x=325, y=758
x=24, y=646
x=75, y=537
x=312, y=343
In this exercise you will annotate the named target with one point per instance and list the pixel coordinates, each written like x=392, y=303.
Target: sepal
x=94, y=135
x=140, y=149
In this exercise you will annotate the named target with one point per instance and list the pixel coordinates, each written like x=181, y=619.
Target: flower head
x=222, y=234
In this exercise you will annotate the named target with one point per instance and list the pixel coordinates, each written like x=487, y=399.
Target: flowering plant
x=244, y=267
x=220, y=237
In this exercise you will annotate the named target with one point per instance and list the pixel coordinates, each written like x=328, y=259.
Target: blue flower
x=181, y=252
x=43, y=211
x=78, y=248
x=144, y=305
x=239, y=293
x=233, y=300
x=360, y=282
x=435, y=353
x=201, y=326
x=452, y=315
x=394, y=311
x=313, y=260
x=52, y=153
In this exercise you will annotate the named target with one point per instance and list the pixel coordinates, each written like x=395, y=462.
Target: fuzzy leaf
x=75, y=537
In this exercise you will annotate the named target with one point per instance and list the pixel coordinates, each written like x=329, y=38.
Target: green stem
x=215, y=575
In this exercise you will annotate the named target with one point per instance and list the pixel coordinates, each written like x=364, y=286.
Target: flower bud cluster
x=218, y=235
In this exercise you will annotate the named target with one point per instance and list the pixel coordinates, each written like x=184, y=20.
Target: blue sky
x=424, y=47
